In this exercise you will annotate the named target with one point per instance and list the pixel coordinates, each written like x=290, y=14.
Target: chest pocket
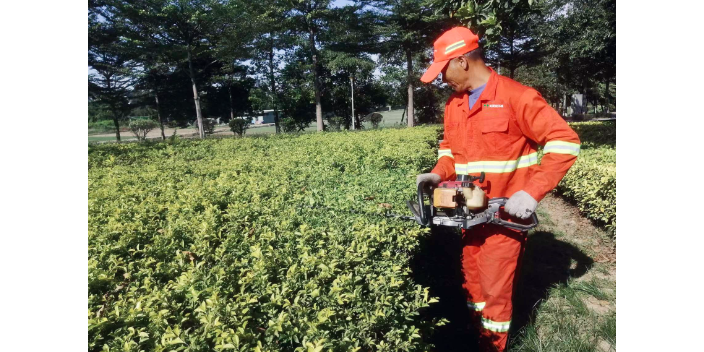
x=496, y=137
x=453, y=134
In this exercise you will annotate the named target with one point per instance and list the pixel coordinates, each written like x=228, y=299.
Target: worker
x=495, y=125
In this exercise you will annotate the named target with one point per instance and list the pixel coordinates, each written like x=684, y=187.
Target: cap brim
x=433, y=71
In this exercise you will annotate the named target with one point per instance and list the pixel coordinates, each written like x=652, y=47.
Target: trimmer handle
x=468, y=178
x=500, y=203
x=421, y=213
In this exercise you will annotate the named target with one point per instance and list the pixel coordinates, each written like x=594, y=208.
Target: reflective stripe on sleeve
x=560, y=147
x=496, y=326
x=496, y=166
x=445, y=152
x=476, y=306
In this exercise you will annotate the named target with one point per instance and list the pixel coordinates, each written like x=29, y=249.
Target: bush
x=231, y=244
x=176, y=124
x=208, y=125
x=173, y=139
x=375, y=118
x=335, y=123
x=578, y=117
x=288, y=124
x=104, y=126
x=596, y=133
x=591, y=182
x=140, y=127
x=238, y=126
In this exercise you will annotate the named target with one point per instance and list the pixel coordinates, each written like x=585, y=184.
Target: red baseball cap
x=451, y=44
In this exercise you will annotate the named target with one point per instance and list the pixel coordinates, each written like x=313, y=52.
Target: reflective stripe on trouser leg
x=496, y=326
x=476, y=306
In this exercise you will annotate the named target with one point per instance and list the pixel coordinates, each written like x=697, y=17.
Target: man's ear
x=463, y=62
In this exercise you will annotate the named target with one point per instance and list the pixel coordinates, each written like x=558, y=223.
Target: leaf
x=176, y=341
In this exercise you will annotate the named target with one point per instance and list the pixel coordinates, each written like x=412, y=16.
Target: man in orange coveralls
x=495, y=125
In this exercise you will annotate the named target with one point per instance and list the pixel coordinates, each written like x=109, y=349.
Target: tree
x=348, y=63
x=309, y=18
x=110, y=61
x=298, y=104
x=486, y=18
x=517, y=44
x=407, y=28
x=152, y=78
x=141, y=127
x=189, y=30
x=577, y=47
x=270, y=37
x=232, y=91
x=582, y=35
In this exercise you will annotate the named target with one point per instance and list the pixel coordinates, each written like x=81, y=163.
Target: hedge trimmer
x=458, y=203
x=462, y=204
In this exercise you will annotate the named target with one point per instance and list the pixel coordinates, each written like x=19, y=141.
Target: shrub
x=140, y=127
x=238, y=126
x=288, y=124
x=208, y=125
x=335, y=123
x=375, y=118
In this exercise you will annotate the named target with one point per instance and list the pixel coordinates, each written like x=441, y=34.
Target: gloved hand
x=429, y=177
x=521, y=205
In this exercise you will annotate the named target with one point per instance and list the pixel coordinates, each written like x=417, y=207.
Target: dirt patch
x=605, y=346
x=577, y=229
x=598, y=306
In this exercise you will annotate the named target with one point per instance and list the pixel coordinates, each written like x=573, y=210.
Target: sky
x=342, y=3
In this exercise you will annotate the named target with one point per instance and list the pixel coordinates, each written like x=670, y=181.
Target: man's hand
x=521, y=205
x=429, y=177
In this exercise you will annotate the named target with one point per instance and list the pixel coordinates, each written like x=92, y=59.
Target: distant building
x=267, y=116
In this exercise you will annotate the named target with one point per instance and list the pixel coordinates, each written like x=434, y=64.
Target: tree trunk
x=232, y=109
x=196, y=98
x=512, y=62
x=352, y=87
x=318, y=107
x=117, y=128
x=272, y=82
x=607, y=96
x=115, y=118
x=158, y=116
x=409, y=77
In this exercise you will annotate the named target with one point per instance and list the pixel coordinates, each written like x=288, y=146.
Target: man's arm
x=541, y=123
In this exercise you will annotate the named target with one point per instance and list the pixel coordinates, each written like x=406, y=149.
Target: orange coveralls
x=500, y=136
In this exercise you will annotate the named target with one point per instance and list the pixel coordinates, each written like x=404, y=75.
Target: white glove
x=521, y=205
x=429, y=177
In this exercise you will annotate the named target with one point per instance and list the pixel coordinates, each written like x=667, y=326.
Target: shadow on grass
x=547, y=261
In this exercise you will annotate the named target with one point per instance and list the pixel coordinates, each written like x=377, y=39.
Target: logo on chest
x=490, y=105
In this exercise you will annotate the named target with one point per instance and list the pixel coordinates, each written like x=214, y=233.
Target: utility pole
x=352, y=85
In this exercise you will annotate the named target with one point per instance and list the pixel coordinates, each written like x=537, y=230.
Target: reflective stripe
x=476, y=306
x=496, y=326
x=452, y=47
x=560, y=147
x=496, y=166
x=445, y=152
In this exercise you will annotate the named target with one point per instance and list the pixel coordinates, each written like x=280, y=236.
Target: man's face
x=454, y=74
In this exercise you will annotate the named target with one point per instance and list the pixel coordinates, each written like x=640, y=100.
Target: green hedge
x=591, y=182
x=251, y=244
x=271, y=243
x=596, y=133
